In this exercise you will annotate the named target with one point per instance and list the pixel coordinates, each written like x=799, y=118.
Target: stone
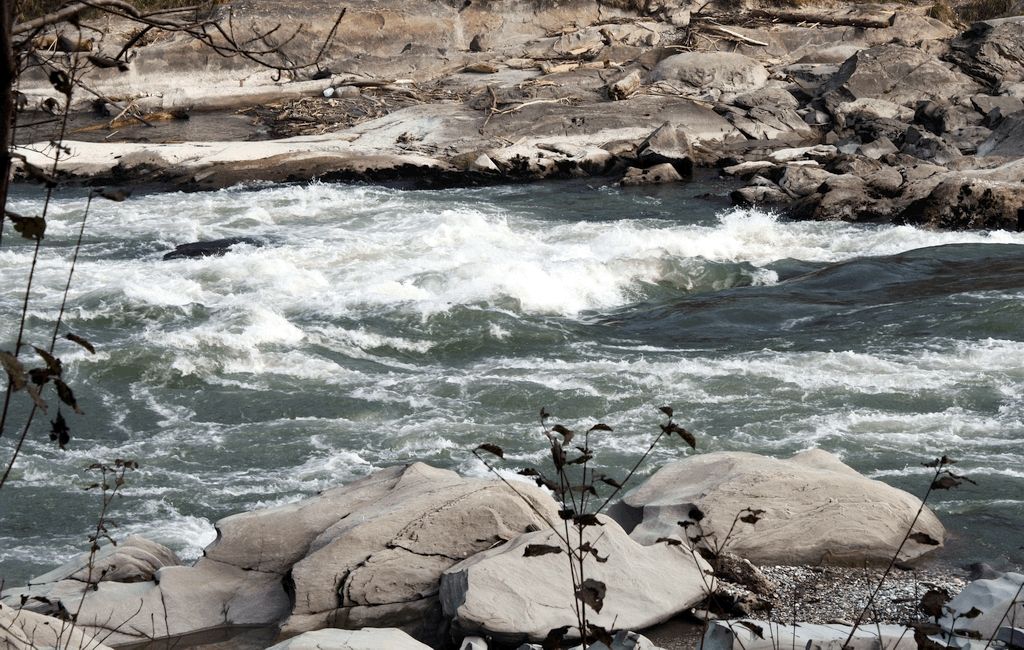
x=667, y=144
x=871, y=109
x=25, y=630
x=817, y=510
x=359, y=555
x=1005, y=104
x=759, y=195
x=1013, y=637
x=725, y=72
x=959, y=203
x=926, y=146
x=999, y=600
x=483, y=164
x=750, y=634
x=992, y=51
x=877, y=148
x=801, y=180
x=364, y=639
x=657, y=175
x=1006, y=140
x=473, y=643
x=902, y=75
x=513, y=598
x=134, y=559
x=766, y=96
x=820, y=152
x=748, y=168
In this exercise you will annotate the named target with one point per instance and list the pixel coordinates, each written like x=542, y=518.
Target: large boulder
x=361, y=555
x=959, y=203
x=504, y=593
x=992, y=51
x=817, y=510
x=365, y=639
x=24, y=630
x=898, y=74
x=699, y=72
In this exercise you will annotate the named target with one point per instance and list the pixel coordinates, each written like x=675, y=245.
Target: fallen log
x=626, y=86
x=826, y=17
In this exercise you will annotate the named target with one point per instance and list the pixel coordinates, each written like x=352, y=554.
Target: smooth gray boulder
x=751, y=634
x=25, y=630
x=698, y=72
x=817, y=510
x=134, y=559
x=501, y=592
x=898, y=74
x=364, y=554
x=364, y=639
x=1000, y=601
x=656, y=175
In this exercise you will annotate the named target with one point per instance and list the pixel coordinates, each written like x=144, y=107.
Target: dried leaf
x=528, y=471
x=696, y=514
x=667, y=410
x=601, y=635
x=592, y=593
x=557, y=455
x=945, y=483
x=586, y=519
x=15, y=371
x=688, y=437
x=52, y=363
x=566, y=514
x=66, y=395
x=671, y=541
x=753, y=627
x=39, y=376
x=601, y=426
x=60, y=80
x=933, y=601
x=535, y=550
x=610, y=481
x=544, y=415
x=924, y=538
x=554, y=639
x=973, y=612
x=492, y=449
x=59, y=431
x=82, y=342
x=940, y=462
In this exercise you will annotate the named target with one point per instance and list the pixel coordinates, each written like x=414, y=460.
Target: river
x=380, y=326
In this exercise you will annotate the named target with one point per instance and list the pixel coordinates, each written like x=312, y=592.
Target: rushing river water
x=379, y=326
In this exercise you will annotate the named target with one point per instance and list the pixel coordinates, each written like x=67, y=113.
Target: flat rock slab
x=24, y=630
x=1000, y=601
x=503, y=593
x=364, y=639
x=751, y=634
x=816, y=509
x=726, y=72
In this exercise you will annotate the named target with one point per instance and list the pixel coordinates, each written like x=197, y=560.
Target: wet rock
x=211, y=248
x=801, y=180
x=763, y=194
x=992, y=51
x=500, y=592
x=364, y=639
x=732, y=568
x=764, y=635
x=817, y=510
x=902, y=75
x=657, y=175
x=748, y=168
x=959, y=203
x=725, y=72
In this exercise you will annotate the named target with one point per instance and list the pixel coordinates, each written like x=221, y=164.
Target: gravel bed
x=834, y=594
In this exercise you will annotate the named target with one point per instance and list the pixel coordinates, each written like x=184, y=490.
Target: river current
x=379, y=326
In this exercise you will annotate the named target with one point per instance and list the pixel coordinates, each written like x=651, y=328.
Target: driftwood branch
x=826, y=17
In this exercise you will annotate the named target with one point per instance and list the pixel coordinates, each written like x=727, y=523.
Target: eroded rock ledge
x=856, y=112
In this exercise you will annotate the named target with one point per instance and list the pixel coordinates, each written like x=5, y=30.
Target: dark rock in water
x=209, y=248
x=959, y=203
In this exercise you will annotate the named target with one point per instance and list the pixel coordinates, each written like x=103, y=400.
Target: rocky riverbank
x=861, y=112
x=453, y=562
